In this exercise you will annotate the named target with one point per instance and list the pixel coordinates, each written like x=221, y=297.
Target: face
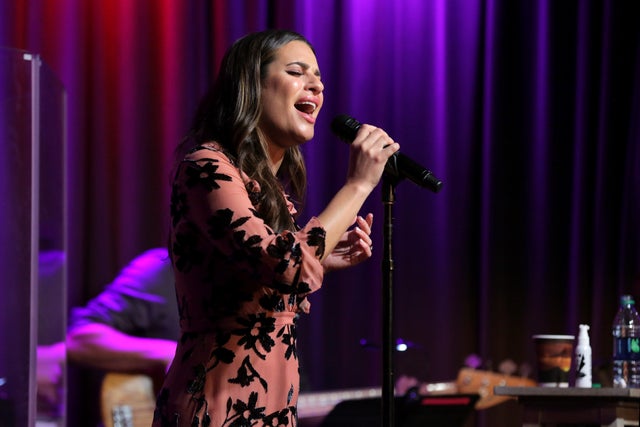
x=291, y=97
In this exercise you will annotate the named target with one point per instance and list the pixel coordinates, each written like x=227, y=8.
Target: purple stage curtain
x=529, y=111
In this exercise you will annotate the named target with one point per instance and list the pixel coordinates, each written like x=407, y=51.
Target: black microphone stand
x=398, y=167
x=388, y=395
x=390, y=180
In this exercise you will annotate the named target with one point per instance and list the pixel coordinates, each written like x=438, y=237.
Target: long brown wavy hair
x=229, y=114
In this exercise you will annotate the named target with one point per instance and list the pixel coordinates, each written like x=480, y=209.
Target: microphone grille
x=345, y=127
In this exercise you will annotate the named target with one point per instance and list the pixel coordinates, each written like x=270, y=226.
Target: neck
x=276, y=166
x=276, y=156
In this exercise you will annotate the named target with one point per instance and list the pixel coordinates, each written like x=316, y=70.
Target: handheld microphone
x=398, y=166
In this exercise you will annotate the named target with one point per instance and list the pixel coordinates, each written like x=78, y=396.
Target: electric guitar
x=128, y=400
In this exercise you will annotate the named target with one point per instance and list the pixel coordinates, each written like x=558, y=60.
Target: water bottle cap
x=627, y=300
x=583, y=337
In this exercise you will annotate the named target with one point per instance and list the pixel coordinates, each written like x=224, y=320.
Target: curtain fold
x=528, y=111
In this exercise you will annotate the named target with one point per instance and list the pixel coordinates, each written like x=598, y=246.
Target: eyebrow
x=304, y=65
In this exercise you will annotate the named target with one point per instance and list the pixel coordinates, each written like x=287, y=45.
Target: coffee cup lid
x=553, y=337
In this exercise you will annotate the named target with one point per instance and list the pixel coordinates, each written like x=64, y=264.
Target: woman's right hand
x=369, y=153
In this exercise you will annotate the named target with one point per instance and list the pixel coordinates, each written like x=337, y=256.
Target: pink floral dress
x=239, y=288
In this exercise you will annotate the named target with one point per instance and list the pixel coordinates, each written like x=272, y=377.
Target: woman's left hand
x=354, y=246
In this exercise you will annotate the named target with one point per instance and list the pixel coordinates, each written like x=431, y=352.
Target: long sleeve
x=224, y=254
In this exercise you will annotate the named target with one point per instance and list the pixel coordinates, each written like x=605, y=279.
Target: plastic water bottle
x=626, y=345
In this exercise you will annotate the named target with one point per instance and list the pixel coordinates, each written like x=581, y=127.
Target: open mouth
x=306, y=107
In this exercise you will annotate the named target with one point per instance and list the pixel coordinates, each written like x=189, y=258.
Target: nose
x=315, y=84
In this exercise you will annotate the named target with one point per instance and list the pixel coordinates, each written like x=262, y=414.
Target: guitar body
x=127, y=400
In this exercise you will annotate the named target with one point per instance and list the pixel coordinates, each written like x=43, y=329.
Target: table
x=553, y=406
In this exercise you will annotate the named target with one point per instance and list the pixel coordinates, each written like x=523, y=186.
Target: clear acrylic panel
x=33, y=289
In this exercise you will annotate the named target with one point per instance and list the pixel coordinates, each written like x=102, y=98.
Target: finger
x=390, y=149
x=364, y=237
x=380, y=140
x=364, y=133
x=374, y=138
x=364, y=224
x=362, y=249
x=367, y=248
x=369, y=219
x=305, y=305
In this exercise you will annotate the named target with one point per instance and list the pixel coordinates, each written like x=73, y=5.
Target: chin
x=301, y=137
x=307, y=133
x=307, y=138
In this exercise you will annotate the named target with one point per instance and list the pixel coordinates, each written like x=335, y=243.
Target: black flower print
x=255, y=195
x=247, y=374
x=245, y=412
x=277, y=419
x=257, y=329
x=317, y=237
x=291, y=301
x=288, y=337
x=303, y=288
x=179, y=207
x=287, y=288
x=272, y=302
x=295, y=288
x=281, y=245
x=296, y=254
x=290, y=394
x=251, y=244
x=247, y=252
x=221, y=354
x=280, y=248
x=206, y=420
x=196, y=384
x=161, y=402
x=205, y=175
x=183, y=311
x=221, y=222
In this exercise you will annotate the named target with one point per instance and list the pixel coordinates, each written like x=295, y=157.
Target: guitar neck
x=311, y=405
